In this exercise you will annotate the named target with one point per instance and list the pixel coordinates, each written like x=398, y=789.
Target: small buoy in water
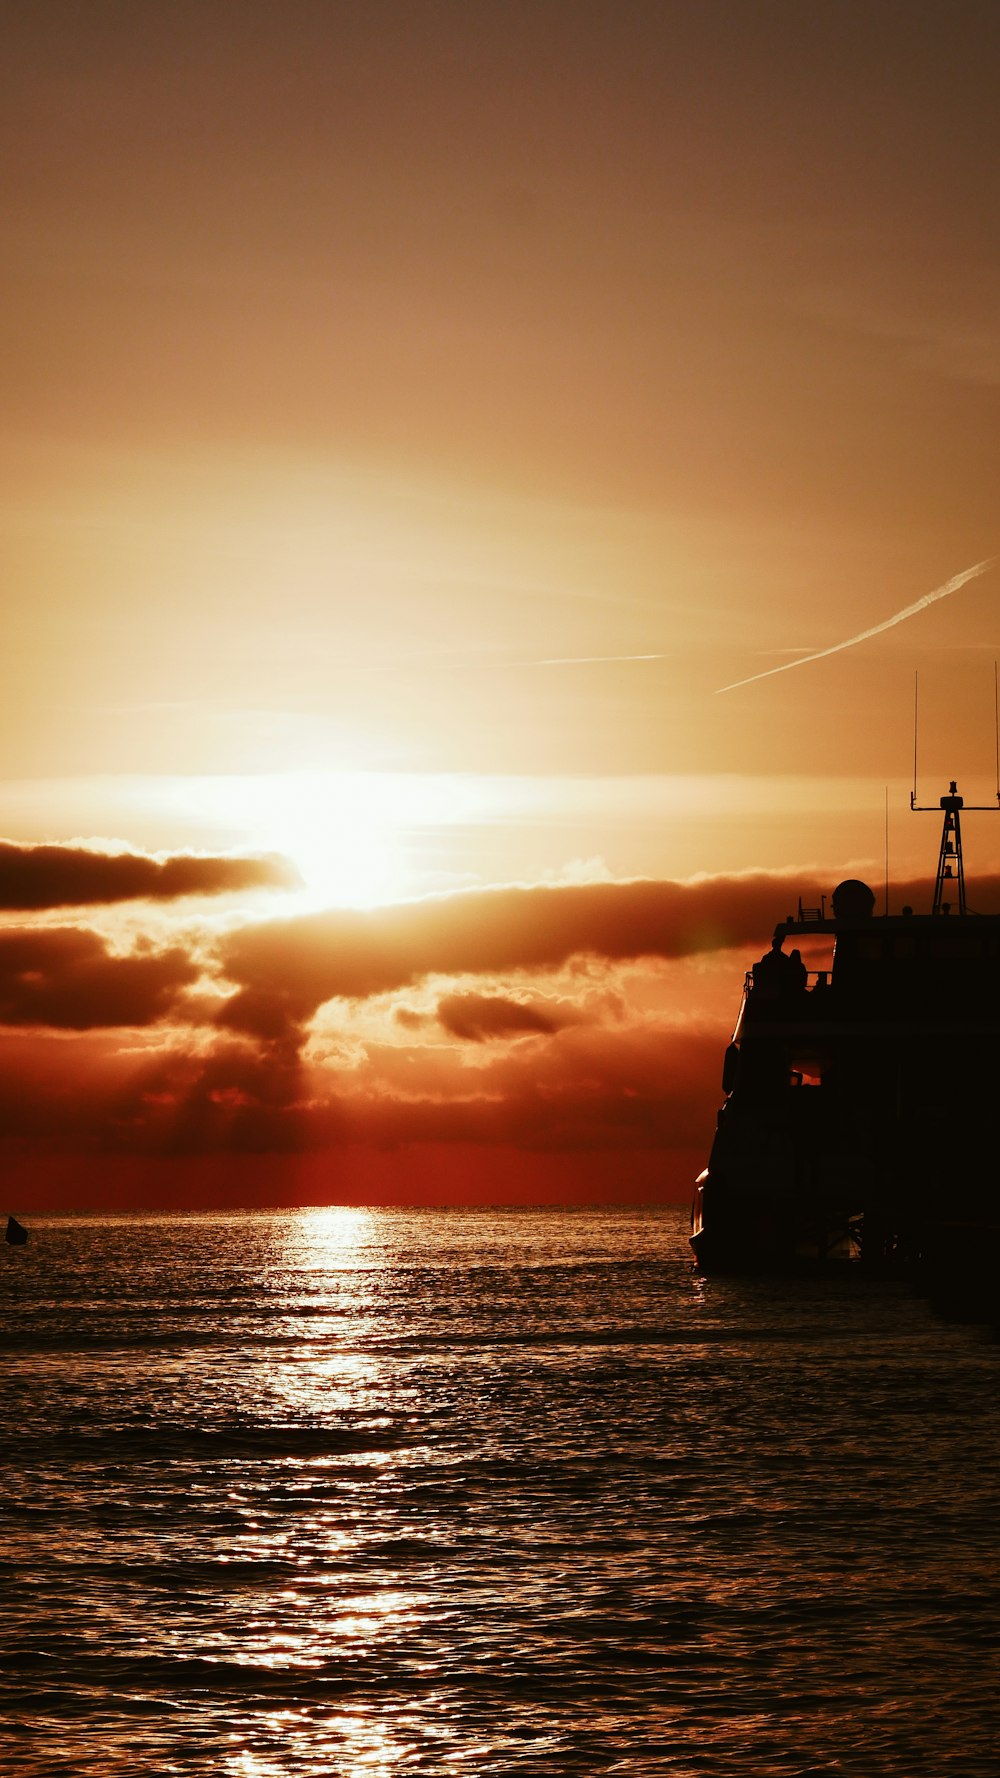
x=16, y=1234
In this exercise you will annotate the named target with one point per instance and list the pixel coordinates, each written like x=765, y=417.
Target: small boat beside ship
x=860, y=1119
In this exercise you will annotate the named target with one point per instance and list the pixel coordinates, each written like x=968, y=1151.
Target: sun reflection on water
x=329, y=1238
x=328, y=1510
x=358, y=1740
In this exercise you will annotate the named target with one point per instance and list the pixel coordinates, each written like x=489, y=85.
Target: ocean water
x=350, y=1492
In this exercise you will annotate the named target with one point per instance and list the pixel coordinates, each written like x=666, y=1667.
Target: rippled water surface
x=370, y=1492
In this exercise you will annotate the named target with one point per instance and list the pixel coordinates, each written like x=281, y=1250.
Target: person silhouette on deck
x=798, y=974
x=777, y=975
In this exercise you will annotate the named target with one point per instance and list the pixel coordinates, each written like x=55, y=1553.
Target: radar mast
x=951, y=865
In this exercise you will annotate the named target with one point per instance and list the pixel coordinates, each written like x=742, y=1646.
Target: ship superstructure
x=860, y=1118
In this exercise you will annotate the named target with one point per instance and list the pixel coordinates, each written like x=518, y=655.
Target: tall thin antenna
x=887, y=851
x=913, y=799
x=997, y=726
x=996, y=723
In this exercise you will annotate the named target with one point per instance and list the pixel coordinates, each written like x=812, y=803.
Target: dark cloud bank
x=56, y=876
x=206, y=1075
x=68, y=978
x=285, y=970
x=280, y=972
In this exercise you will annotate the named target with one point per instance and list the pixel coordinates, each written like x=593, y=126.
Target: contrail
x=941, y=592
x=593, y=660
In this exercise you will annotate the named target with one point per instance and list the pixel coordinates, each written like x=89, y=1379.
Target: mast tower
x=951, y=865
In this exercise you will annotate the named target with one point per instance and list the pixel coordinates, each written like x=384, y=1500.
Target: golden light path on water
x=311, y=1383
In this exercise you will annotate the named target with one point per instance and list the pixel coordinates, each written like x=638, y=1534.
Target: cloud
x=411, y=1018
x=51, y=876
x=624, y=1059
x=651, y=1086
x=284, y=970
x=89, y=1096
x=71, y=978
x=67, y=978
x=477, y=1017
x=227, y=1096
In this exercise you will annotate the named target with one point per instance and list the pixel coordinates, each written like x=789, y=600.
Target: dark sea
x=351, y=1492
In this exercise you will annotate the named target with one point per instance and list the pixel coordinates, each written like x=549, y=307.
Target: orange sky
x=377, y=377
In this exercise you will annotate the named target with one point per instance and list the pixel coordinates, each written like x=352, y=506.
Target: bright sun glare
x=349, y=834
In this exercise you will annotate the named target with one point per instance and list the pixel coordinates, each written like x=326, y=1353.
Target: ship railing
x=813, y=979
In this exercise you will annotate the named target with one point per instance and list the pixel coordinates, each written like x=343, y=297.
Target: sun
x=351, y=835
x=349, y=852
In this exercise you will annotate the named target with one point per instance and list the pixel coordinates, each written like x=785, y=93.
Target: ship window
x=806, y=1071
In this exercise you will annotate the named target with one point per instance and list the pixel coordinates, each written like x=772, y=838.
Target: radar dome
x=853, y=900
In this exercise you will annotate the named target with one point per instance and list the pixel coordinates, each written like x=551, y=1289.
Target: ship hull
x=760, y=1230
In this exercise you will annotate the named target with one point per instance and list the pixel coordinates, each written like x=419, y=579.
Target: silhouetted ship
x=860, y=1120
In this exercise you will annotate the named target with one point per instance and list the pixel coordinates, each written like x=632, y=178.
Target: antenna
x=913, y=797
x=887, y=851
x=996, y=723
